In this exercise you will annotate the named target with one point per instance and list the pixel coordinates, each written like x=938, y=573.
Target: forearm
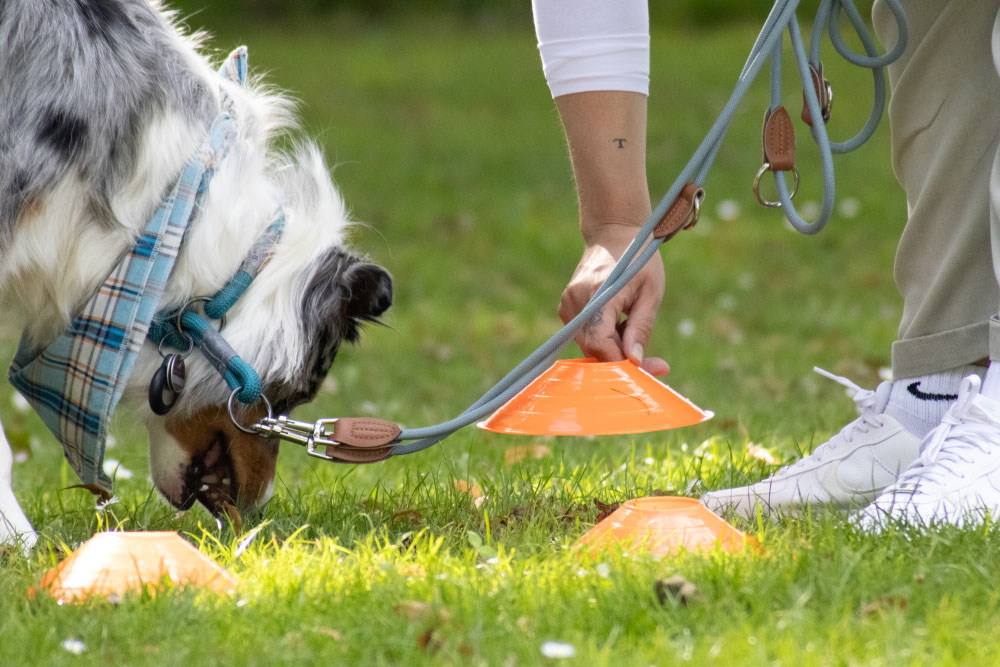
x=606, y=133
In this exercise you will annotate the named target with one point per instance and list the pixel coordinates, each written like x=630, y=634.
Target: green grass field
x=448, y=149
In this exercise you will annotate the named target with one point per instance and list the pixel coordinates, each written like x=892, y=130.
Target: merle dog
x=101, y=104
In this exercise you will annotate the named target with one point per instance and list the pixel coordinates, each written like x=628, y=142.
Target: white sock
x=991, y=381
x=919, y=403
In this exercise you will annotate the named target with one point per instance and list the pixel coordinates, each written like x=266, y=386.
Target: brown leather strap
x=682, y=214
x=365, y=432
x=779, y=140
x=824, y=93
x=362, y=440
x=356, y=455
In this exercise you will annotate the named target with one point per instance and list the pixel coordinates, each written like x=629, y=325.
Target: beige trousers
x=945, y=120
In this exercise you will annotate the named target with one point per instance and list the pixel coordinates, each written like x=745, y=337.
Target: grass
x=448, y=149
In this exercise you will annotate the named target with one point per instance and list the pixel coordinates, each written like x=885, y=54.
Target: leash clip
x=308, y=434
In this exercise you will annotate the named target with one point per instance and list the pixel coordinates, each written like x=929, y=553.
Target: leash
x=345, y=439
x=369, y=440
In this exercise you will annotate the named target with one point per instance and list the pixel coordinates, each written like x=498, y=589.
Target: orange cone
x=664, y=525
x=587, y=397
x=116, y=563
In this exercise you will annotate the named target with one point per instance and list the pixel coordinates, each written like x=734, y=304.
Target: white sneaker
x=849, y=470
x=956, y=479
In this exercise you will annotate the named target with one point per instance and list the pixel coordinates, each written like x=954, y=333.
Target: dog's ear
x=368, y=288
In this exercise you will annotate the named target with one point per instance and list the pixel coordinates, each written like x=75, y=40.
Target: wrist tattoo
x=620, y=142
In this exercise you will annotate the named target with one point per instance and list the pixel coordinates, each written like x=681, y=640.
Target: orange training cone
x=663, y=525
x=587, y=397
x=115, y=563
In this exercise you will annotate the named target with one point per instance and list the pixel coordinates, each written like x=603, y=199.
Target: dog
x=102, y=103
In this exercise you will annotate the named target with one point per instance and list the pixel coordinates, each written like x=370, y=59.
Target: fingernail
x=637, y=352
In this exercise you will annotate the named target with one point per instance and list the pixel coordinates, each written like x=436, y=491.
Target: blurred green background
x=669, y=13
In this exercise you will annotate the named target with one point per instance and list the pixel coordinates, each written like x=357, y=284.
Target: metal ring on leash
x=232, y=414
x=183, y=355
x=205, y=299
x=756, y=186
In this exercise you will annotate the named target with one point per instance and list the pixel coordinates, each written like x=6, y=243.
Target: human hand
x=608, y=337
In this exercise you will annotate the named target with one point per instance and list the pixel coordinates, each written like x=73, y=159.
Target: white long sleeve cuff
x=593, y=44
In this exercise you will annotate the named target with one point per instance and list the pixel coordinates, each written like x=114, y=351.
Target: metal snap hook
x=766, y=167
x=232, y=412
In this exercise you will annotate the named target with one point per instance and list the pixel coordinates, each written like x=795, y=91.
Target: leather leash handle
x=824, y=94
x=363, y=440
x=779, y=140
x=682, y=214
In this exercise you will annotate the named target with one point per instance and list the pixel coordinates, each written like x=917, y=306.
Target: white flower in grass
x=20, y=456
x=558, y=650
x=20, y=402
x=74, y=646
x=728, y=209
x=686, y=328
x=761, y=453
x=103, y=505
x=885, y=374
x=603, y=570
x=114, y=468
x=809, y=210
x=849, y=207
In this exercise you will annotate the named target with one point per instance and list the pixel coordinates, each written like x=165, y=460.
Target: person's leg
x=956, y=479
x=944, y=137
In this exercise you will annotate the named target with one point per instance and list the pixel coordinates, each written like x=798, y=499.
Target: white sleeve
x=593, y=44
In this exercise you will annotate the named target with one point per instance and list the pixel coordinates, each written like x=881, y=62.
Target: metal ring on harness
x=184, y=309
x=756, y=186
x=232, y=414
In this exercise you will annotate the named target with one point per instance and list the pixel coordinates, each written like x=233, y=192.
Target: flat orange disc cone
x=663, y=525
x=115, y=563
x=588, y=397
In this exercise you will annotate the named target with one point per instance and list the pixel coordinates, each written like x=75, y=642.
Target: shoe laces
x=953, y=446
x=870, y=404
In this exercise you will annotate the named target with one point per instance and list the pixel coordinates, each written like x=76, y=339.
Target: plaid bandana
x=75, y=382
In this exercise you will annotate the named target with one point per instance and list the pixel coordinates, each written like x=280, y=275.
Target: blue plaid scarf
x=75, y=382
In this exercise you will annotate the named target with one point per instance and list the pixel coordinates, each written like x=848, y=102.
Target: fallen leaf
x=522, y=452
x=234, y=516
x=472, y=489
x=676, y=589
x=415, y=570
x=416, y=611
x=411, y=515
x=329, y=632
x=429, y=640
x=606, y=509
x=882, y=605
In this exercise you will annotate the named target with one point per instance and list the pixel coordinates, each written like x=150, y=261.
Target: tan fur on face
x=254, y=458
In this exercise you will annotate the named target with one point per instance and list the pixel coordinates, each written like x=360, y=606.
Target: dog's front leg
x=15, y=529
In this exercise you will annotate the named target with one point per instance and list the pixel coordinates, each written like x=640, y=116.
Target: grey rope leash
x=678, y=209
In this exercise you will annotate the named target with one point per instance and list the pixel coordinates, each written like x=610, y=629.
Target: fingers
x=599, y=338
x=639, y=325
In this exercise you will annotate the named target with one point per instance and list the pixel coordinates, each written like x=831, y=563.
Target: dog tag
x=167, y=383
